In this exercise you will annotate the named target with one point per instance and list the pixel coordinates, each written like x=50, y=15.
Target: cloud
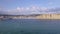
x=30, y=10
x=2, y=11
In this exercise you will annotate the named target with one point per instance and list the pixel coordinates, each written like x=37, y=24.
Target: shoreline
x=40, y=16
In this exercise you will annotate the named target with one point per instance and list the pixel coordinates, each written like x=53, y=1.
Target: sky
x=18, y=7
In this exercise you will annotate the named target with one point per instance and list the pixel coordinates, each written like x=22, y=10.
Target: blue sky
x=20, y=6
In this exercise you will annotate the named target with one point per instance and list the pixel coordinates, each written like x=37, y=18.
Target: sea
x=30, y=26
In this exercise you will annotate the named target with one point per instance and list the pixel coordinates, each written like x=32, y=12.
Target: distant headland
x=33, y=16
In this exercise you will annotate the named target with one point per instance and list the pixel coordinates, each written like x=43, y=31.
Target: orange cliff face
x=48, y=16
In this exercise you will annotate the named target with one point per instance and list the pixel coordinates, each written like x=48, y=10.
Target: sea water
x=29, y=26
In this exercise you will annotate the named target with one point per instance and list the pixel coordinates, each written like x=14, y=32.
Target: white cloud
x=31, y=10
x=18, y=8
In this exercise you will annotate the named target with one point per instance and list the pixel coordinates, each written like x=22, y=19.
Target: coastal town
x=35, y=16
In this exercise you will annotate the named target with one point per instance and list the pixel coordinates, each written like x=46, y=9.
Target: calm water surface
x=29, y=26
